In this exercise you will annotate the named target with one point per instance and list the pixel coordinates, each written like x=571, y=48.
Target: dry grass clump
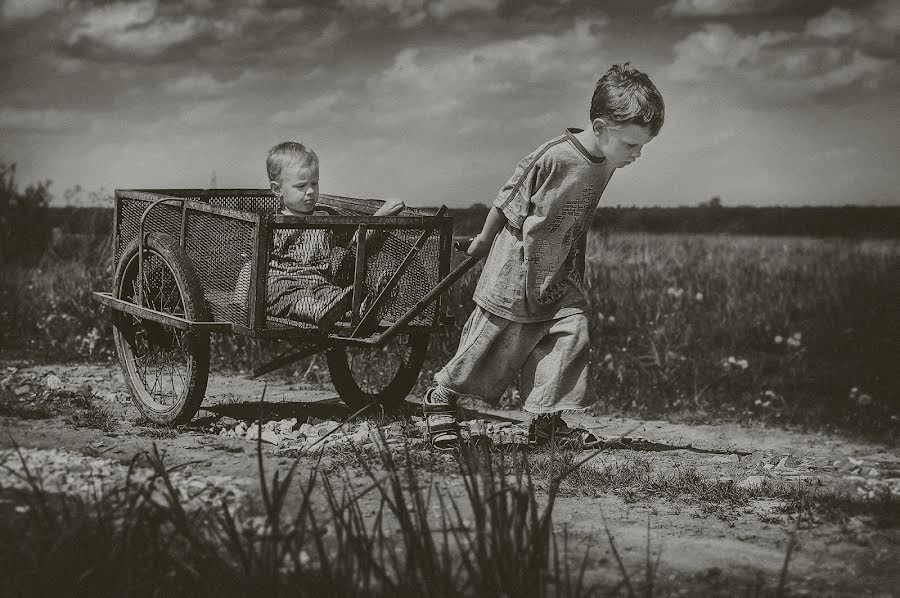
x=400, y=535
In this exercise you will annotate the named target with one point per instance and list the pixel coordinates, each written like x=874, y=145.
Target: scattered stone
x=754, y=482
x=227, y=422
x=326, y=427
x=286, y=426
x=308, y=430
x=53, y=382
x=271, y=437
x=107, y=395
x=22, y=390
x=732, y=458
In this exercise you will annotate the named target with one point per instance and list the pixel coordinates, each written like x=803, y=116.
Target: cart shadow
x=254, y=410
x=332, y=409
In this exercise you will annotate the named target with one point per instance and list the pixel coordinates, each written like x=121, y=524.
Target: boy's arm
x=481, y=244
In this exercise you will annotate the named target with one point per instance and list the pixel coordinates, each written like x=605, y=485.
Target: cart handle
x=419, y=307
x=370, y=314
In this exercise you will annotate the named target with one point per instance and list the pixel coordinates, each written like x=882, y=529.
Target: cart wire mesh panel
x=310, y=265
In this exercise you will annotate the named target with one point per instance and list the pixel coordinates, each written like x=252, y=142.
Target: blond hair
x=288, y=153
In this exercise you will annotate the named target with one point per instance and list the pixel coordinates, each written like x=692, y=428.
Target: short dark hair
x=625, y=95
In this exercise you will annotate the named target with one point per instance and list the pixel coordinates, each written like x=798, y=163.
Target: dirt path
x=706, y=545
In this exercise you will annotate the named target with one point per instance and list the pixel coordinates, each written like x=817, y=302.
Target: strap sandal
x=441, y=424
x=552, y=427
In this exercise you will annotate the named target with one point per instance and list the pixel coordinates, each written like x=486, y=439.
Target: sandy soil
x=702, y=549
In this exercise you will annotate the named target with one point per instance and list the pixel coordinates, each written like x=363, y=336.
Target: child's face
x=299, y=188
x=621, y=146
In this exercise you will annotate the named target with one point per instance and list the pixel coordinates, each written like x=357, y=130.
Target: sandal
x=441, y=425
x=549, y=427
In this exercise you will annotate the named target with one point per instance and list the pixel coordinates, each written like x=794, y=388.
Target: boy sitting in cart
x=300, y=283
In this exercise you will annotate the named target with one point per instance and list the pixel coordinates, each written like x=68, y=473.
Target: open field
x=745, y=385
x=689, y=327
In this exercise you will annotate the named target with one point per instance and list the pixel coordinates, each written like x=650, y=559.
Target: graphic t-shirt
x=533, y=272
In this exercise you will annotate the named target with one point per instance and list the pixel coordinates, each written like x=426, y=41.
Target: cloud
x=21, y=10
x=720, y=8
x=433, y=83
x=132, y=29
x=718, y=47
x=827, y=57
x=205, y=84
x=316, y=111
x=38, y=120
x=441, y=9
x=409, y=13
x=203, y=114
x=876, y=27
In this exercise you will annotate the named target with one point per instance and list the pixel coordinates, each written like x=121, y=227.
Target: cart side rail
x=230, y=247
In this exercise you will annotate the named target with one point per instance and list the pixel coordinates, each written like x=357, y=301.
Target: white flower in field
x=732, y=361
x=864, y=399
x=757, y=402
x=797, y=335
x=698, y=297
x=779, y=339
x=675, y=292
x=611, y=319
x=607, y=357
x=854, y=391
x=793, y=342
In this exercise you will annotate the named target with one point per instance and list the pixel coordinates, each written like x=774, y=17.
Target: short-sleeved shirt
x=533, y=272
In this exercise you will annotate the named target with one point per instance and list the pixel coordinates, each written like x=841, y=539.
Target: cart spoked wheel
x=166, y=368
x=385, y=375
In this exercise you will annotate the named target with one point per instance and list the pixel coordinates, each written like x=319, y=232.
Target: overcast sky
x=787, y=102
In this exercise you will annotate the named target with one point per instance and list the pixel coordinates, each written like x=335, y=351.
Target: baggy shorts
x=551, y=359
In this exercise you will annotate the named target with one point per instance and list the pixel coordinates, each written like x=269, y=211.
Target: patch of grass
x=498, y=539
x=158, y=432
x=635, y=480
x=11, y=406
x=92, y=415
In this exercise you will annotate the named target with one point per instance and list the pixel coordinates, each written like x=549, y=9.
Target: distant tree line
x=28, y=225
x=844, y=221
x=24, y=217
x=712, y=217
